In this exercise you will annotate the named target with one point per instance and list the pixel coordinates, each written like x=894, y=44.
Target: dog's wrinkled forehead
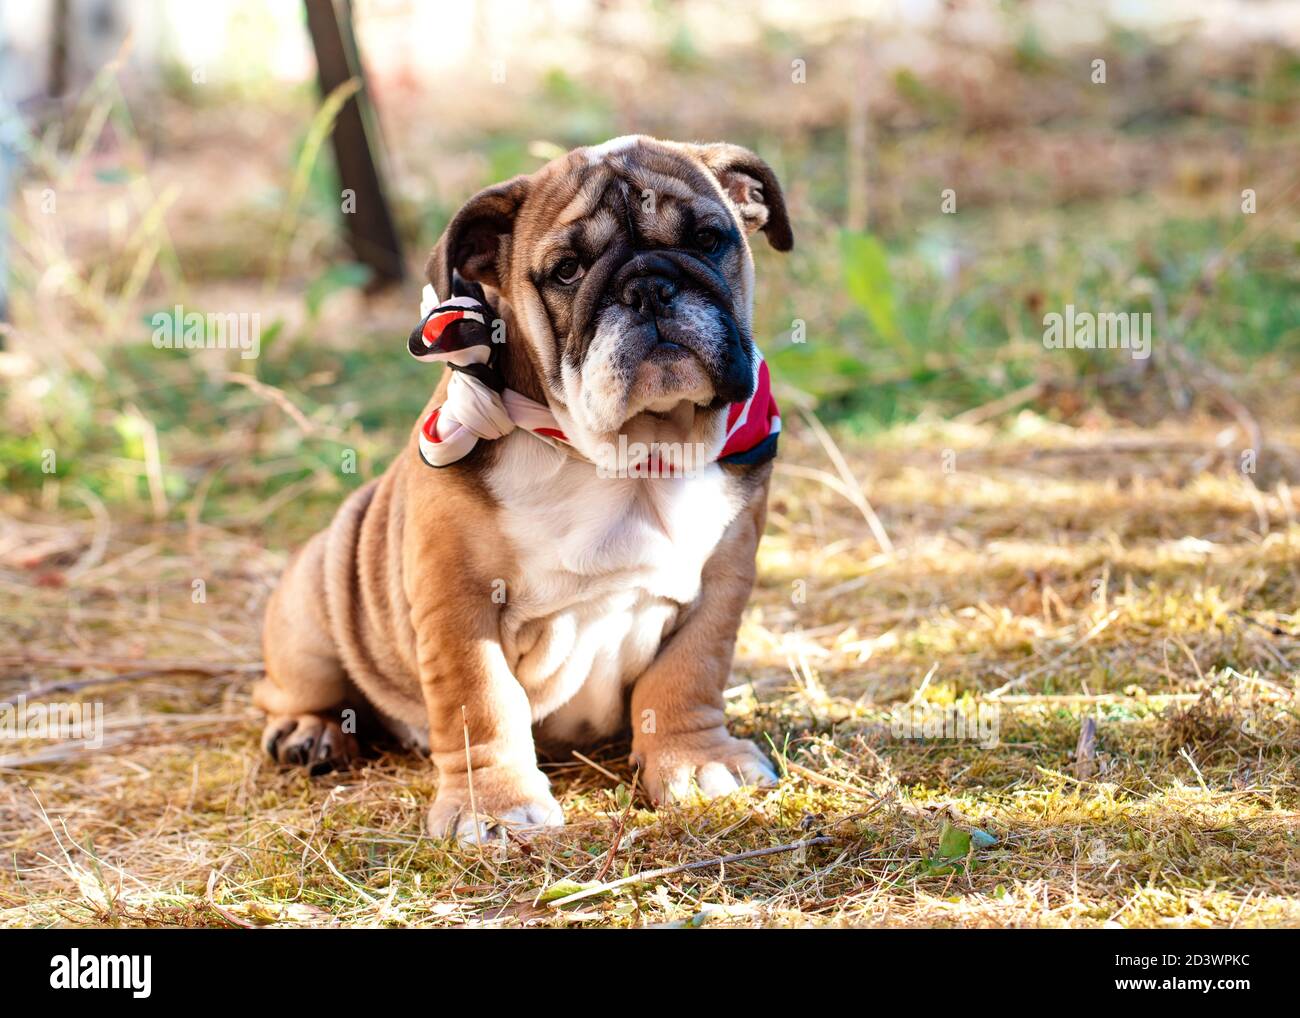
x=635, y=193
x=633, y=189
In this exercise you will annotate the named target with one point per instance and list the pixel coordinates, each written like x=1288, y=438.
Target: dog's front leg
x=480, y=729
x=679, y=725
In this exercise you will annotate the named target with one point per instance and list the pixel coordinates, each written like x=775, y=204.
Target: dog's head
x=627, y=271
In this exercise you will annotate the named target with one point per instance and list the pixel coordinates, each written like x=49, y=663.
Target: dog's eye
x=706, y=239
x=570, y=270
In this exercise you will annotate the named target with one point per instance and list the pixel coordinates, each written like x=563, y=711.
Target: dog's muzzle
x=664, y=292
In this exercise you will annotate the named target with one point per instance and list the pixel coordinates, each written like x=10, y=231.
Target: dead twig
x=1269, y=628
x=1085, y=752
x=997, y=407
x=667, y=871
x=72, y=685
x=1020, y=680
x=618, y=831
x=99, y=543
x=598, y=768
x=851, y=489
x=157, y=666
x=821, y=779
x=273, y=395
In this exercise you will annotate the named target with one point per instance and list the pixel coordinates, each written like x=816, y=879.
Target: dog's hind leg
x=306, y=693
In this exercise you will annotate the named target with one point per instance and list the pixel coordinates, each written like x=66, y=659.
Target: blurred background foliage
x=173, y=165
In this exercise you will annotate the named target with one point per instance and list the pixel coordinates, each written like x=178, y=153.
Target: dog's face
x=628, y=272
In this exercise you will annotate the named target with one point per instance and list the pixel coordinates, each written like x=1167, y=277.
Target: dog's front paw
x=711, y=763
x=314, y=741
x=504, y=798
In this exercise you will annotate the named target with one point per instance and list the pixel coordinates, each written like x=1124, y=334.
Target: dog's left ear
x=753, y=189
x=475, y=242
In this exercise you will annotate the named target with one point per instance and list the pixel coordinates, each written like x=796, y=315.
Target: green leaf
x=867, y=278
x=819, y=368
x=270, y=334
x=936, y=867
x=954, y=843
x=562, y=889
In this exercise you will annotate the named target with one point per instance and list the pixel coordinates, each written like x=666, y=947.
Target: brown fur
x=390, y=607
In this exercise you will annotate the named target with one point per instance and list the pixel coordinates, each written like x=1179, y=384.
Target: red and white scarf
x=458, y=332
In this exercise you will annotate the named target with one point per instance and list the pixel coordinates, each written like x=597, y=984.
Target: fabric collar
x=460, y=333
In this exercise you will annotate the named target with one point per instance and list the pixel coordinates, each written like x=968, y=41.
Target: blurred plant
x=317, y=134
x=344, y=276
x=867, y=278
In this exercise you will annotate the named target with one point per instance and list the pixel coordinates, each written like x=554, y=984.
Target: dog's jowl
x=564, y=548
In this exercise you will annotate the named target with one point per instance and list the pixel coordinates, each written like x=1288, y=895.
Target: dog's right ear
x=753, y=189
x=476, y=241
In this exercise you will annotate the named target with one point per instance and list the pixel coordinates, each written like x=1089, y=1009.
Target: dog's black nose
x=650, y=296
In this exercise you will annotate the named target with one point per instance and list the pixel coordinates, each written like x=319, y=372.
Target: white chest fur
x=604, y=567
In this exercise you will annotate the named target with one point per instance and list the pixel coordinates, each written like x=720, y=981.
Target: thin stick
x=1020, y=680
x=1067, y=698
x=153, y=468
x=1085, y=751
x=853, y=488
x=274, y=395
x=1120, y=448
x=618, y=831
x=597, y=767
x=821, y=779
x=72, y=685
x=469, y=778
x=1272, y=630
x=641, y=878
x=1195, y=770
x=99, y=543
x=77, y=663
x=979, y=414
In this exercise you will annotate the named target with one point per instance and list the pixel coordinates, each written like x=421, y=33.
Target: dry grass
x=1067, y=568
x=1075, y=592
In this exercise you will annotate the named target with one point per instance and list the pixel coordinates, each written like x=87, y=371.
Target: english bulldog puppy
x=566, y=544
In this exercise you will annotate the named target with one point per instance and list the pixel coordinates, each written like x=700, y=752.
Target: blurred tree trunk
x=371, y=232
x=59, y=31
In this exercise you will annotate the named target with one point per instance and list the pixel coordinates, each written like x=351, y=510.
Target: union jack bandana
x=458, y=332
